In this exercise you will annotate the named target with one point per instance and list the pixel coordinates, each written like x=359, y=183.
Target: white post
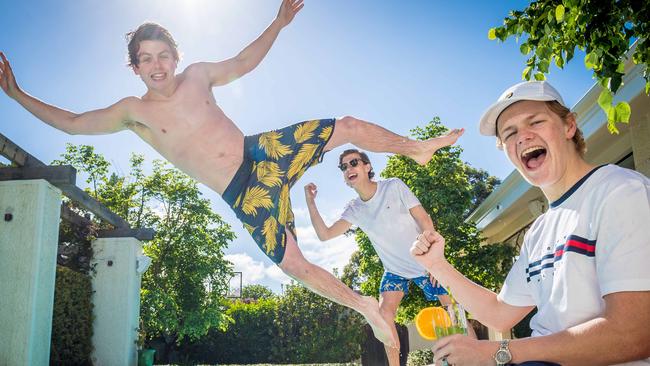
x=116, y=300
x=29, y=232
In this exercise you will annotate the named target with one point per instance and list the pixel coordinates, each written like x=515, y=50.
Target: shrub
x=72, y=319
x=249, y=339
x=420, y=358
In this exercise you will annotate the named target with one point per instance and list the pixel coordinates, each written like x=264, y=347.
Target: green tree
x=603, y=29
x=312, y=329
x=248, y=340
x=351, y=274
x=256, y=292
x=482, y=184
x=296, y=327
x=448, y=190
x=183, y=289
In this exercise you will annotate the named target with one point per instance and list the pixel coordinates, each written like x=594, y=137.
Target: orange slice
x=427, y=318
x=424, y=323
x=441, y=318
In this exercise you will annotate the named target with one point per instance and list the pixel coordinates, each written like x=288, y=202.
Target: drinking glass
x=451, y=319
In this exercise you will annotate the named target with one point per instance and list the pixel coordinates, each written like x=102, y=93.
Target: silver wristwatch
x=503, y=355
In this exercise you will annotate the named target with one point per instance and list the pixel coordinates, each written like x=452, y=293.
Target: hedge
x=72, y=327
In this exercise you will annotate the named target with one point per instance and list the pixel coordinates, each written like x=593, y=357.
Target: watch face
x=502, y=356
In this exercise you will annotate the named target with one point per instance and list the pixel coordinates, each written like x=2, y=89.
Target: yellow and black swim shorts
x=273, y=162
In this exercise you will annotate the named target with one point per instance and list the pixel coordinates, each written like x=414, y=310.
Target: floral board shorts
x=393, y=282
x=273, y=162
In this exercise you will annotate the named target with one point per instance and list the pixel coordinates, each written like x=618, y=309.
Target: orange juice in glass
x=440, y=321
x=450, y=319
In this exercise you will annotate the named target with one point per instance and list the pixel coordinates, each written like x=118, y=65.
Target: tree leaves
x=591, y=60
x=559, y=13
x=553, y=29
x=492, y=34
x=605, y=99
x=182, y=290
x=621, y=113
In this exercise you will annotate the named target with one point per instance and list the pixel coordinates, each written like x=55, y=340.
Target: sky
x=395, y=63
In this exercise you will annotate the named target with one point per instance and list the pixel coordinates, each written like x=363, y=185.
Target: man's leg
x=388, y=304
x=371, y=137
x=325, y=284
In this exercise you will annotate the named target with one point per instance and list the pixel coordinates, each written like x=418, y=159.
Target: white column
x=116, y=301
x=29, y=233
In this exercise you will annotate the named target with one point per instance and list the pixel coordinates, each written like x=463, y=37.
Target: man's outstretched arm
x=221, y=73
x=323, y=231
x=101, y=121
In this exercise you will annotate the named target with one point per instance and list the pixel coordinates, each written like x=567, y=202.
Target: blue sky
x=394, y=63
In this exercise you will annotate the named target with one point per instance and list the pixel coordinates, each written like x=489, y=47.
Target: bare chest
x=192, y=132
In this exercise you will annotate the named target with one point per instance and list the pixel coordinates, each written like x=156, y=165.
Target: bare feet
x=430, y=146
x=384, y=332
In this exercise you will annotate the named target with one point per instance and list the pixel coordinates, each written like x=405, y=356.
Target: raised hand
x=7, y=79
x=310, y=191
x=429, y=249
x=288, y=10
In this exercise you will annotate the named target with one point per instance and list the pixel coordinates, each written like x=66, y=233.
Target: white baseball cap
x=528, y=90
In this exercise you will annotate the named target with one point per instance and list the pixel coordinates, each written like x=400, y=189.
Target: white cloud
x=276, y=274
x=301, y=213
x=252, y=271
x=332, y=254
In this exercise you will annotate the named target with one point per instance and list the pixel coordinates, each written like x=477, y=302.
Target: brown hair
x=563, y=112
x=148, y=32
x=364, y=159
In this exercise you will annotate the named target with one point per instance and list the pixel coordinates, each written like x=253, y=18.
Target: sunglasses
x=353, y=163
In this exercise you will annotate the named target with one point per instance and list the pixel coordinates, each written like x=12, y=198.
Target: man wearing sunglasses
x=392, y=217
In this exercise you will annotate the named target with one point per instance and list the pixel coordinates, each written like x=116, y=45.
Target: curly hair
x=148, y=32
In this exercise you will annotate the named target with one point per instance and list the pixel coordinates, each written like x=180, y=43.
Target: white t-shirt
x=592, y=241
x=387, y=221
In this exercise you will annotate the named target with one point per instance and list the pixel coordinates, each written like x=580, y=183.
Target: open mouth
x=158, y=76
x=352, y=177
x=533, y=157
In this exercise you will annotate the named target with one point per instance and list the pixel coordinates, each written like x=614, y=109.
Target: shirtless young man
x=178, y=116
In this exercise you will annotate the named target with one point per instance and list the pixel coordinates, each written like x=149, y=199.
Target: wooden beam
x=64, y=177
x=17, y=155
x=72, y=217
x=56, y=175
x=140, y=234
x=84, y=200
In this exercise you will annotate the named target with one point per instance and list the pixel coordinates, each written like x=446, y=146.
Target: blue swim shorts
x=393, y=282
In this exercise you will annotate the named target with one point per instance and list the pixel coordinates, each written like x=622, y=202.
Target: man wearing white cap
x=583, y=263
